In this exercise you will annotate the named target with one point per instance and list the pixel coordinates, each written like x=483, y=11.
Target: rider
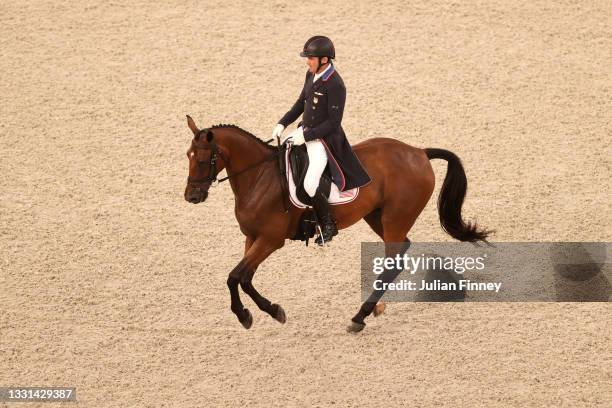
x=322, y=104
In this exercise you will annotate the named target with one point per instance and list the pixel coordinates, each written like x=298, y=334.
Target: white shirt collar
x=319, y=75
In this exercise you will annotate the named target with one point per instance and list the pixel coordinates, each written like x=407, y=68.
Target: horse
x=402, y=182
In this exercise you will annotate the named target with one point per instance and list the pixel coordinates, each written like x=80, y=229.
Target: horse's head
x=205, y=161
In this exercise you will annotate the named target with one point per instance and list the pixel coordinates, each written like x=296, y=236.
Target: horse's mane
x=258, y=140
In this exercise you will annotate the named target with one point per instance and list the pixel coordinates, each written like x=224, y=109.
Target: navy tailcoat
x=322, y=105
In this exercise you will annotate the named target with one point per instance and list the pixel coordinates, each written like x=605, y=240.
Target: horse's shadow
x=580, y=272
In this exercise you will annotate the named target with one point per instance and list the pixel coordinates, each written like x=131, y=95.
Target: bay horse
x=402, y=184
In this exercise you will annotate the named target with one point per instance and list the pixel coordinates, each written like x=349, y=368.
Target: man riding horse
x=401, y=184
x=322, y=104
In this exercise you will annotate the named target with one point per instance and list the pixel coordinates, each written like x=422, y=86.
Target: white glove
x=278, y=131
x=297, y=136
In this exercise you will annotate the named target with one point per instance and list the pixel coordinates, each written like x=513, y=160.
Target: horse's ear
x=209, y=136
x=192, y=125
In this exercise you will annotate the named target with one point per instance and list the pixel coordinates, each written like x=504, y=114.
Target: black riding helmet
x=319, y=46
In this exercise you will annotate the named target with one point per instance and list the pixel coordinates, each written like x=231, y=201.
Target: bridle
x=212, y=165
x=216, y=153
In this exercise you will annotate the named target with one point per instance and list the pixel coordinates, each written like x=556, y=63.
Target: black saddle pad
x=298, y=159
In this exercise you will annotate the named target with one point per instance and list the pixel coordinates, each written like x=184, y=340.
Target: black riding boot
x=326, y=221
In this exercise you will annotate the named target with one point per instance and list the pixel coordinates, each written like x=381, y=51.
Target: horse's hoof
x=247, y=322
x=280, y=314
x=379, y=309
x=355, y=327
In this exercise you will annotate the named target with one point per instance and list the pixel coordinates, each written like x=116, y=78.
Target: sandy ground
x=112, y=283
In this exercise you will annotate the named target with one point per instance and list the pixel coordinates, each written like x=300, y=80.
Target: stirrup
x=321, y=240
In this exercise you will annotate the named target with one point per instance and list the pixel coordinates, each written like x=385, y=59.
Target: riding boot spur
x=326, y=221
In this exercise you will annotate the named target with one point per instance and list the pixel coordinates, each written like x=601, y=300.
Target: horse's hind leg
x=374, y=221
x=392, y=226
x=372, y=303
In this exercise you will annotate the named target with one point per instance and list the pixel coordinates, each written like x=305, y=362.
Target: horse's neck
x=244, y=152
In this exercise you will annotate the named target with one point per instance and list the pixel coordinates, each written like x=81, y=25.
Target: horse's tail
x=451, y=199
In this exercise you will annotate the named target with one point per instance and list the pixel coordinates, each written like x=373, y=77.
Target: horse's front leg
x=256, y=251
x=243, y=314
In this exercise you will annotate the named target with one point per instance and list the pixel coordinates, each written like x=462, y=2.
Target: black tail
x=451, y=199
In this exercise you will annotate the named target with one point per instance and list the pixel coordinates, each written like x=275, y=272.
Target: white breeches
x=317, y=158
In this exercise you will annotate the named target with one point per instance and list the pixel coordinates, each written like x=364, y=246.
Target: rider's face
x=313, y=62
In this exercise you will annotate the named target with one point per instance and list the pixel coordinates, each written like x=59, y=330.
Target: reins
x=212, y=175
x=269, y=158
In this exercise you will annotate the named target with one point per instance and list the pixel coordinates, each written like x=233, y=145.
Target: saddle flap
x=298, y=160
x=292, y=170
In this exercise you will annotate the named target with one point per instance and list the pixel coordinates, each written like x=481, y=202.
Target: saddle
x=298, y=159
x=293, y=167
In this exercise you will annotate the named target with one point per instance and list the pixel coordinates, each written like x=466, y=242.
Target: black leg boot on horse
x=324, y=217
